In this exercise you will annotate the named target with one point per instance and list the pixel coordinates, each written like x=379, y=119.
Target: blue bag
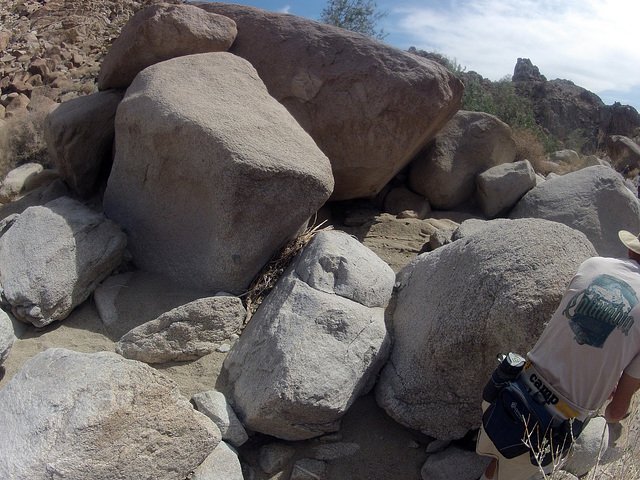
x=515, y=421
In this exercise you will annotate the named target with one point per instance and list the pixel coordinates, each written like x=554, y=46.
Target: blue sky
x=594, y=43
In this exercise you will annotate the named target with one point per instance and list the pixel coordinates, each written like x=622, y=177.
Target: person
x=588, y=353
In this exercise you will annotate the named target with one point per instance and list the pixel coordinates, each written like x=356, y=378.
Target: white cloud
x=285, y=9
x=591, y=42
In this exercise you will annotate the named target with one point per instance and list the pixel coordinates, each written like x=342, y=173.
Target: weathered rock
x=471, y=143
x=309, y=350
x=273, y=456
x=593, y=200
x=7, y=336
x=588, y=447
x=501, y=187
x=184, y=333
x=459, y=306
x=79, y=135
x=14, y=183
x=308, y=469
x=222, y=464
x=215, y=406
x=270, y=177
x=402, y=199
x=569, y=112
x=159, y=33
x=369, y=106
x=454, y=463
x=54, y=256
x=73, y=413
x=624, y=152
x=566, y=156
x=129, y=300
x=17, y=106
x=334, y=451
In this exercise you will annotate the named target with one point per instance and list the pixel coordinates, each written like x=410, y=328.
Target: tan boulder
x=211, y=175
x=159, y=33
x=79, y=135
x=369, y=106
x=471, y=143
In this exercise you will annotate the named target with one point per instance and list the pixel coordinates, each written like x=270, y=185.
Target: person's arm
x=619, y=405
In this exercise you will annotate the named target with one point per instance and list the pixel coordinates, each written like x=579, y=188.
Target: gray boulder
x=131, y=299
x=311, y=349
x=501, y=187
x=185, y=333
x=624, y=152
x=65, y=414
x=14, y=183
x=593, y=200
x=54, y=256
x=79, y=135
x=7, y=336
x=459, y=306
x=454, y=463
x=211, y=175
x=588, y=447
x=222, y=464
x=369, y=106
x=471, y=143
x=161, y=32
x=215, y=406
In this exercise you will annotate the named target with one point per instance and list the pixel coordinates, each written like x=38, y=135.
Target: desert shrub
x=22, y=141
x=528, y=145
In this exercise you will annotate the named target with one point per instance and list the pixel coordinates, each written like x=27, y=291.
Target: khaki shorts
x=518, y=468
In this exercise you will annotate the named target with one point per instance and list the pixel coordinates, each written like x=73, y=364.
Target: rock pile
x=215, y=150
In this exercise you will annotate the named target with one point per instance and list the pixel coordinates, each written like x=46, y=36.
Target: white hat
x=630, y=240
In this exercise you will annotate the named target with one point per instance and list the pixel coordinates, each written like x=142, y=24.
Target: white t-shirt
x=594, y=335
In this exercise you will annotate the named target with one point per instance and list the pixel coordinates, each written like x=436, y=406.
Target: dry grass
x=528, y=146
x=22, y=141
x=273, y=270
x=621, y=461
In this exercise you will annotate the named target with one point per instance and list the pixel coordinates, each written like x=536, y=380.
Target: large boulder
x=185, y=333
x=211, y=175
x=79, y=135
x=486, y=293
x=54, y=256
x=315, y=344
x=502, y=186
x=471, y=143
x=624, y=152
x=72, y=413
x=369, y=106
x=593, y=200
x=161, y=32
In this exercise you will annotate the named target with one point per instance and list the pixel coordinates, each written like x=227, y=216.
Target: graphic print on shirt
x=604, y=305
